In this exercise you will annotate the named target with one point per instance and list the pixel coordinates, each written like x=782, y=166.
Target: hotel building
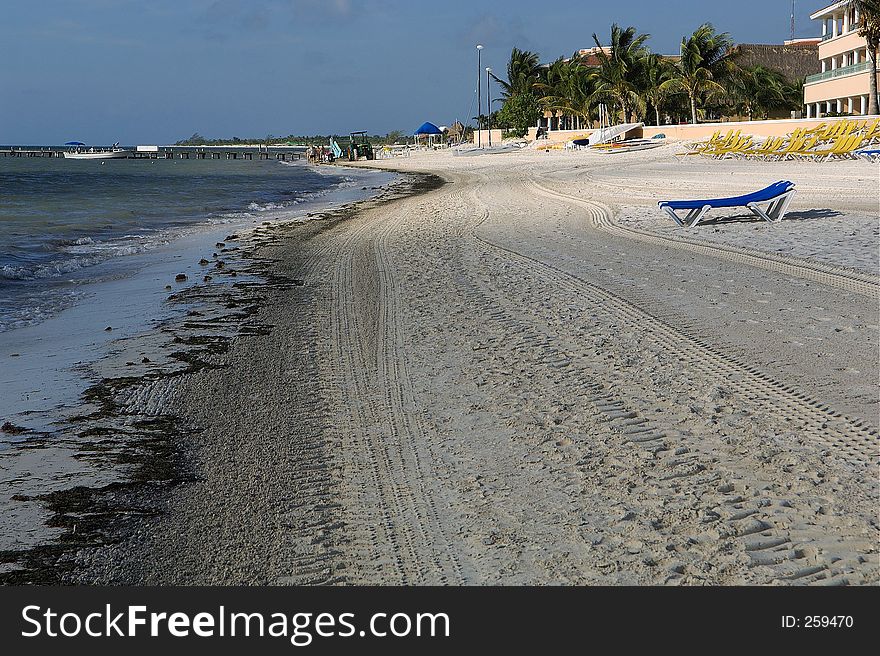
x=843, y=83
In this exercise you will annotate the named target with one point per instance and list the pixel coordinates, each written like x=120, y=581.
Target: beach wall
x=778, y=128
x=561, y=136
x=687, y=132
x=497, y=136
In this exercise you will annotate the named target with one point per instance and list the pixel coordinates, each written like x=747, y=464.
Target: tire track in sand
x=767, y=530
x=600, y=217
x=857, y=441
x=395, y=527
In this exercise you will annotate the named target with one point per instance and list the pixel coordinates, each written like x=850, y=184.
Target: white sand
x=559, y=403
x=496, y=382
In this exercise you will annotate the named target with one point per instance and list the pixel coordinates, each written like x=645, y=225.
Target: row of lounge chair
x=839, y=140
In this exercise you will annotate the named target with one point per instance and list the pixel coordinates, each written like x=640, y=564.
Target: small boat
x=628, y=146
x=114, y=152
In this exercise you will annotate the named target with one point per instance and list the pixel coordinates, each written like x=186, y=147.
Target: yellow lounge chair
x=816, y=130
x=795, y=143
x=844, y=146
x=742, y=145
x=737, y=145
x=872, y=132
x=770, y=145
x=838, y=129
x=698, y=147
x=718, y=143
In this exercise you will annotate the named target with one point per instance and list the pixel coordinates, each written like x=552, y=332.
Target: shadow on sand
x=806, y=215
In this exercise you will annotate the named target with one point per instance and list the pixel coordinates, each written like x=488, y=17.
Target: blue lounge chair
x=872, y=155
x=778, y=194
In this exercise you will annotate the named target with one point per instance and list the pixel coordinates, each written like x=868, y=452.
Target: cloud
x=496, y=31
x=66, y=30
x=315, y=58
x=337, y=7
x=281, y=14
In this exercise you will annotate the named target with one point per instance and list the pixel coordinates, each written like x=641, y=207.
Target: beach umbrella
x=428, y=129
x=74, y=143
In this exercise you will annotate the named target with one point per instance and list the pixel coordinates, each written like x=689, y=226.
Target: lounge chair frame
x=774, y=213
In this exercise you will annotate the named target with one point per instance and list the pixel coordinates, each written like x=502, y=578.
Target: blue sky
x=155, y=71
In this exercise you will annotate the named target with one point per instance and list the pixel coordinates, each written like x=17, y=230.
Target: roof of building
x=793, y=61
x=824, y=11
x=591, y=56
x=807, y=42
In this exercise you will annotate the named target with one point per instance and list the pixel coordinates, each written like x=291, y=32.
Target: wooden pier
x=279, y=153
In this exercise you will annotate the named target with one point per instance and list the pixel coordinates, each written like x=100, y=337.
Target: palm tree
x=757, y=90
x=522, y=73
x=567, y=87
x=655, y=71
x=620, y=69
x=794, y=93
x=551, y=87
x=869, y=28
x=705, y=62
x=520, y=109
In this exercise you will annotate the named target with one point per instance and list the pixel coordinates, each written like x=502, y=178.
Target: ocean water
x=86, y=246
x=66, y=224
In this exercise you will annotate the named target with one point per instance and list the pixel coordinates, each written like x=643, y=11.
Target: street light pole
x=479, y=94
x=489, y=104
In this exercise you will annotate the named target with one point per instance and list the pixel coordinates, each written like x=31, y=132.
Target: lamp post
x=479, y=94
x=489, y=104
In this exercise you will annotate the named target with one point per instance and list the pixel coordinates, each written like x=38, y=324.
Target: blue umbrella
x=74, y=143
x=429, y=128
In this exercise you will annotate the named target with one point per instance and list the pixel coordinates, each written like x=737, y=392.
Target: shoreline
x=154, y=454
x=437, y=388
x=48, y=362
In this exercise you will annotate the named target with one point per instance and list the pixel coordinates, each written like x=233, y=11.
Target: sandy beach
x=515, y=370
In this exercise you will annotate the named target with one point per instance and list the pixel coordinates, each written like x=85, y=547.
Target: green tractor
x=359, y=146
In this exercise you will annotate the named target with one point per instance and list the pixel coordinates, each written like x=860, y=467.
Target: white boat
x=114, y=152
x=628, y=146
x=609, y=133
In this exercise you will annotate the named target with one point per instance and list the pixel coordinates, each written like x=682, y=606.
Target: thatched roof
x=793, y=61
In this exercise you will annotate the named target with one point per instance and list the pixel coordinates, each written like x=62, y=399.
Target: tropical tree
x=518, y=113
x=581, y=88
x=552, y=89
x=617, y=77
x=655, y=71
x=521, y=108
x=523, y=70
x=794, y=93
x=705, y=62
x=482, y=121
x=756, y=91
x=567, y=87
x=395, y=136
x=869, y=28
